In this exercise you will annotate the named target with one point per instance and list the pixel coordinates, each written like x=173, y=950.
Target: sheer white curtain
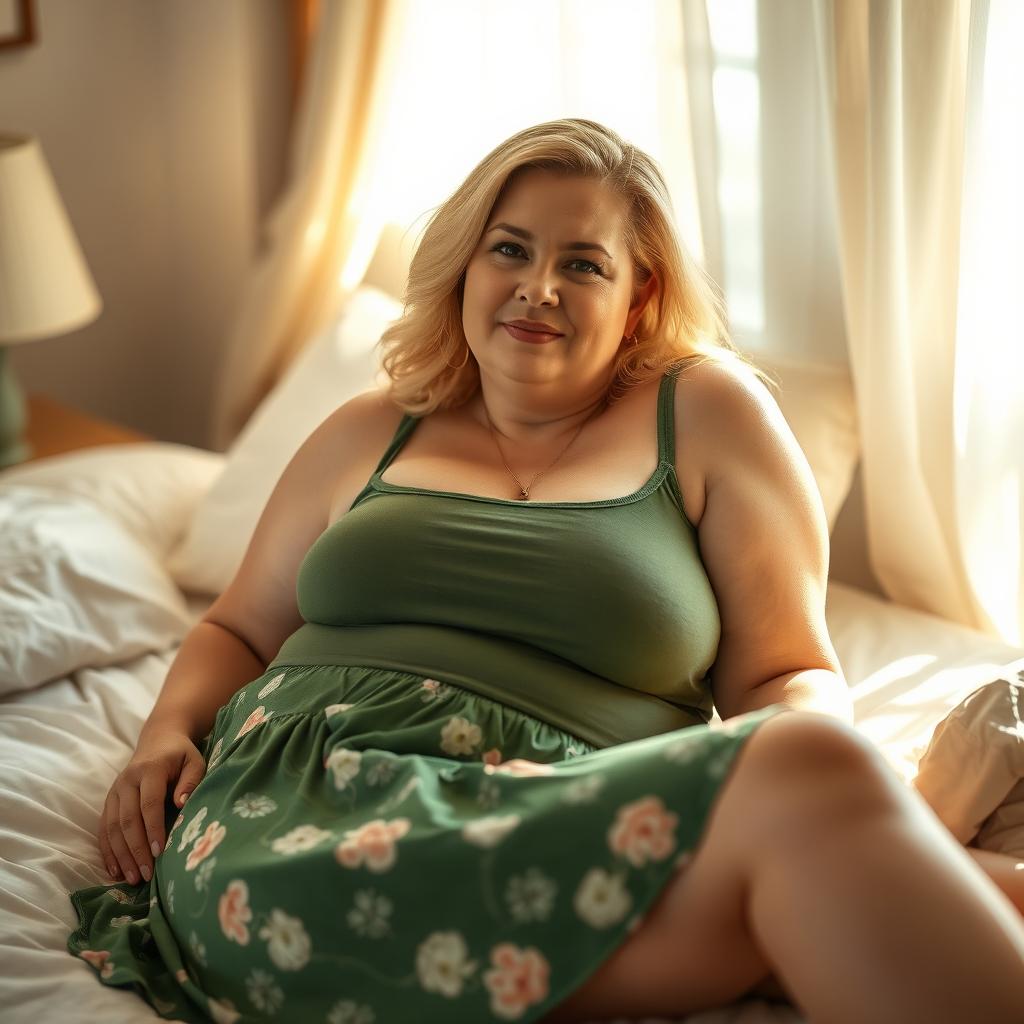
x=924, y=103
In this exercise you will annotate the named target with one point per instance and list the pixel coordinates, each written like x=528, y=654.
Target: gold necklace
x=525, y=491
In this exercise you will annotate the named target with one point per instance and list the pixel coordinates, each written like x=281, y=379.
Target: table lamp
x=45, y=285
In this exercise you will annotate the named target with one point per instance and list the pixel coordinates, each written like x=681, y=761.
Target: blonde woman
x=445, y=737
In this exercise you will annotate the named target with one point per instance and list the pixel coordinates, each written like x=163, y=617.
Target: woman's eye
x=594, y=268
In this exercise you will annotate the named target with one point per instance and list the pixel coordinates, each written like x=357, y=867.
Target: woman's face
x=531, y=270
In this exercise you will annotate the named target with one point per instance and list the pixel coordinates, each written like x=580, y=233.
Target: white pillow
x=342, y=362
x=76, y=590
x=152, y=488
x=819, y=405
x=336, y=366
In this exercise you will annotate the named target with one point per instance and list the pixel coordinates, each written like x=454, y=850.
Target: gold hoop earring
x=465, y=359
x=633, y=338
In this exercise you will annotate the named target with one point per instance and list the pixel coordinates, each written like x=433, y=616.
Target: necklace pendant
x=525, y=494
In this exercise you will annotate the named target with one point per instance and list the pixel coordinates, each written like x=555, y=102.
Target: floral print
x=206, y=844
x=288, y=942
x=518, y=980
x=234, y=913
x=602, y=899
x=372, y=845
x=253, y=805
x=459, y=736
x=387, y=847
x=443, y=964
x=643, y=831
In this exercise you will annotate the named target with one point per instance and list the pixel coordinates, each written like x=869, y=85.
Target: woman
x=460, y=767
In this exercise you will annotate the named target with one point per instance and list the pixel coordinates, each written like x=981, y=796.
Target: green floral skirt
x=369, y=846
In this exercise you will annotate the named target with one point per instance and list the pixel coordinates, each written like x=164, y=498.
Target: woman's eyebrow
x=524, y=234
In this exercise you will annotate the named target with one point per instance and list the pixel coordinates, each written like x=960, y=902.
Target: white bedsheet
x=62, y=744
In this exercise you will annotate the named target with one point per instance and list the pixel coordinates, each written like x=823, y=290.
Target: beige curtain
x=311, y=239
x=923, y=96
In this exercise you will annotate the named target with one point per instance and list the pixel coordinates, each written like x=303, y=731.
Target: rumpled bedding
x=64, y=738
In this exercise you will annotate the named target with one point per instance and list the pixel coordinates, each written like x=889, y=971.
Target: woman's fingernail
x=113, y=872
x=155, y=848
x=146, y=874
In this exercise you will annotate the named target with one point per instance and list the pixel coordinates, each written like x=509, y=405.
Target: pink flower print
x=643, y=831
x=253, y=720
x=518, y=979
x=100, y=959
x=373, y=843
x=492, y=757
x=205, y=844
x=234, y=912
x=519, y=766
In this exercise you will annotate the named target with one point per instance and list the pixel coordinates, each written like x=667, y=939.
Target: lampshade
x=45, y=285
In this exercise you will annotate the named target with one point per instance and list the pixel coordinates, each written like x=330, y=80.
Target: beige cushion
x=971, y=773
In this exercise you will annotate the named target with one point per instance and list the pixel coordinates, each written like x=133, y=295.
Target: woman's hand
x=131, y=832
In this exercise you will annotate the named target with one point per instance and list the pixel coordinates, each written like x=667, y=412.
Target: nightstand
x=54, y=428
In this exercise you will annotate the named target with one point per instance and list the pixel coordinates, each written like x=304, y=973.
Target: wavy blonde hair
x=425, y=353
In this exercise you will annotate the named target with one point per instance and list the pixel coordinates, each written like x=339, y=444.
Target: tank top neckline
x=666, y=462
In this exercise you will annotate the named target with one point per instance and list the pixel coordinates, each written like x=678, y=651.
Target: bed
x=109, y=555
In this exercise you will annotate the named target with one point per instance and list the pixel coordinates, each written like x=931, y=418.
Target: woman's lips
x=535, y=336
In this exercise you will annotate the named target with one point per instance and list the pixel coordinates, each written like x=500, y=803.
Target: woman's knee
x=818, y=755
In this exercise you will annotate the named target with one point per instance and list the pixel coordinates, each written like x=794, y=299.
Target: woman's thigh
x=695, y=950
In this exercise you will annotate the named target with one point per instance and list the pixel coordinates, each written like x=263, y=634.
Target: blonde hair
x=426, y=355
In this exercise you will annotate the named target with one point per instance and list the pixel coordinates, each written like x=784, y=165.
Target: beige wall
x=165, y=125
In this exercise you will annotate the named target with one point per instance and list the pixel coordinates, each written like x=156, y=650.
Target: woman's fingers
x=115, y=836
x=133, y=834
x=152, y=793
x=106, y=851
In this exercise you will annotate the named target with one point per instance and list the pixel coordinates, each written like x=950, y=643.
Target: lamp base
x=14, y=449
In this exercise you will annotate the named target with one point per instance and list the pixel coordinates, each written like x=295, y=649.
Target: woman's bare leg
x=1005, y=871
x=818, y=866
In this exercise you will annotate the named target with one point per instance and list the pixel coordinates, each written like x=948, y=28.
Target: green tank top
x=542, y=604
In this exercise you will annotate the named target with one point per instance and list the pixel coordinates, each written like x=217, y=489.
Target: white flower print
x=488, y=832
x=410, y=785
x=442, y=965
x=530, y=896
x=192, y=829
x=460, y=736
x=344, y=764
x=222, y=1011
x=719, y=764
x=288, y=942
x=170, y=895
x=203, y=874
x=300, y=838
x=121, y=896
x=345, y=1011
x=369, y=917
x=271, y=686
x=253, y=805
x=583, y=791
x=382, y=772
x=198, y=949
x=602, y=899
x=215, y=754
x=334, y=709
x=120, y=922
x=263, y=993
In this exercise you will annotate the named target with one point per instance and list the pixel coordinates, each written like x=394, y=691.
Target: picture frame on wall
x=17, y=23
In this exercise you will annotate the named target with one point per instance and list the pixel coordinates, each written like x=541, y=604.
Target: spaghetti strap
x=405, y=427
x=666, y=416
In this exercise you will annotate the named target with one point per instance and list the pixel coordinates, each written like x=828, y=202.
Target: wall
x=165, y=126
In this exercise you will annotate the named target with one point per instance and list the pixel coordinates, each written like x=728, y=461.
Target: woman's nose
x=537, y=286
